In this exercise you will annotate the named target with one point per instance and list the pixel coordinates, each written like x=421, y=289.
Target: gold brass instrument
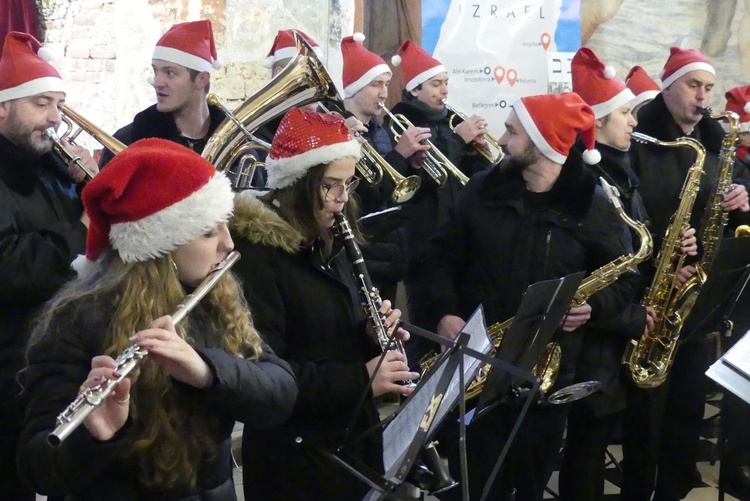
x=650, y=357
x=742, y=230
x=372, y=167
x=492, y=143
x=87, y=402
x=436, y=164
x=548, y=364
x=303, y=80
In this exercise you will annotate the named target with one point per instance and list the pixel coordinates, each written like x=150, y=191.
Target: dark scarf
x=412, y=107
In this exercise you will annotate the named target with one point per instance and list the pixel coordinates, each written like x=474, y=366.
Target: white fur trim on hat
x=365, y=79
x=686, y=69
x=743, y=126
x=396, y=60
x=283, y=172
x=32, y=88
x=424, y=76
x=646, y=95
x=536, y=137
x=164, y=231
x=624, y=97
x=182, y=58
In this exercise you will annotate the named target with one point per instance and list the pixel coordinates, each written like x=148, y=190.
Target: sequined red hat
x=24, y=70
x=681, y=62
x=642, y=85
x=360, y=65
x=305, y=139
x=190, y=45
x=596, y=83
x=553, y=121
x=285, y=47
x=738, y=101
x=418, y=66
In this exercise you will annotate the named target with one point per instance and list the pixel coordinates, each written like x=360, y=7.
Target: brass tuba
x=650, y=358
x=303, y=80
x=492, y=143
x=372, y=167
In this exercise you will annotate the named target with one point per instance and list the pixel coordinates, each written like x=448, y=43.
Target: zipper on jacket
x=546, y=252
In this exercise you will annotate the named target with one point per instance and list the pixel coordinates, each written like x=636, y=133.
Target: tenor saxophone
x=650, y=357
x=548, y=364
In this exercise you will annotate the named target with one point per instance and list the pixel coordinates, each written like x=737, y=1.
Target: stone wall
x=103, y=47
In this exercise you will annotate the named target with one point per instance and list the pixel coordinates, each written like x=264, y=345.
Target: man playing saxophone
x=537, y=215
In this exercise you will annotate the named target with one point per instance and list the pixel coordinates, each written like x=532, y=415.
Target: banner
x=496, y=51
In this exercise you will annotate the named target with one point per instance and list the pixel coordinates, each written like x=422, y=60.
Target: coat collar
x=259, y=224
x=572, y=193
x=153, y=123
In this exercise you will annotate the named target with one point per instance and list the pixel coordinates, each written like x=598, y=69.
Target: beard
x=519, y=163
x=20, y=133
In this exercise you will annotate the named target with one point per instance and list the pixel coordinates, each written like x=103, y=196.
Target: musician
x=42, y=221
x=665, y=421
x=642, y=86
x=536, y=216
x=737, y=99
x=305, y=301
x=165, y=430
x=425, y=91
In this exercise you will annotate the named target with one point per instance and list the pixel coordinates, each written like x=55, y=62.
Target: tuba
x=492, y=143
x=650, y=358
x=548, y=364
x=372, y=167
x=303, y=80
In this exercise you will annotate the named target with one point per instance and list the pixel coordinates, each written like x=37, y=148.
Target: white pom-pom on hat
x=609, y=72
x=217, y=64
x=268, y=62
x=359, y=37
x=592, y=157
x=747, y=107
x=45, y=53
x=396, y=60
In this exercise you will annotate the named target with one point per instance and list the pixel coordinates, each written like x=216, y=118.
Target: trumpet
x=372, y=167
x=87, y=402
x=437, y=165
x=485, y=151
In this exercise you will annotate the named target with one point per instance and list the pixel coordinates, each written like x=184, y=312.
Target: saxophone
x=548, y=364
x=650, y=357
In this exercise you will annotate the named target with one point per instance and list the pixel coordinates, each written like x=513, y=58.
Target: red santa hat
x=642, y=85
x=553, y=121
x=682, y=61
x=360, y=65
x=153, y=197
x=305, y=139
x=738, y=101
x=190, y=45
x=284, y=47
x=24, y=70
x=418, y=66
x=596, y=83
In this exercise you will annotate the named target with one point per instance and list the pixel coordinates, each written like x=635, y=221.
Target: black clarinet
x=368, y=293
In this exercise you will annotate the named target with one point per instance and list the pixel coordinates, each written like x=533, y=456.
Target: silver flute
x=72, y=417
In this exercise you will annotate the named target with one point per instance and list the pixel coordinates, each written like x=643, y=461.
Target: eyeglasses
x=335, y=191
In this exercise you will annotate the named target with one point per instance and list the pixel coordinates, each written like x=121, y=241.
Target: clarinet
x=72, y=417
x=368, y=293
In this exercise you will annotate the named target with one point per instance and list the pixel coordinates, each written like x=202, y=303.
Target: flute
x=72, y=417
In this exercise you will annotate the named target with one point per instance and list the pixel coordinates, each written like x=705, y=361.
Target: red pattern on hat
x=360, y=65
x=553, y=121
x=738, y=101
x=285, y=47
x=596, y=83
x=682, y=61
x=153, y=197
x=24, y=70
x=642, y=85
x=189, y=44
x=305, y=139
x=418, y=66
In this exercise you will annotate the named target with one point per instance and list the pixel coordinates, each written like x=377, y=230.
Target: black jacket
x=260, y=394
x=40, y=235
x=494, y=246
x=307, y=309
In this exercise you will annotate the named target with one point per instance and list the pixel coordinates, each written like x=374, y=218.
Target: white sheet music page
x=732, y=371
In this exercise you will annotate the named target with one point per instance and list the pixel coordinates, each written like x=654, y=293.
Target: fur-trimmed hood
x=259, y=224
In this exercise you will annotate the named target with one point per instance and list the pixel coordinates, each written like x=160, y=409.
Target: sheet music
x=732, y=371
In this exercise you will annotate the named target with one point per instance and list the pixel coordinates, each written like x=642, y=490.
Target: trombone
x=436, y=164
x=487, y=150
x=373, y=166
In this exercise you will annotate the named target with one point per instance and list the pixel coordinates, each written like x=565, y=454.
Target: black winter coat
x=307, y=309
x=493, y=247
x=40, y=235
x=260, y=394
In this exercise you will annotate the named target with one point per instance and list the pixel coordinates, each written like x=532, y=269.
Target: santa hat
x=153, y=197
x=284, y=47
x=682, y=61
x=418, y=66
x=642, y=85
x=596, y=83
x=24, y=70
x=553, y=121
x=305, y=139
x=738, y=101
x=360, y=65
x=190, y=45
